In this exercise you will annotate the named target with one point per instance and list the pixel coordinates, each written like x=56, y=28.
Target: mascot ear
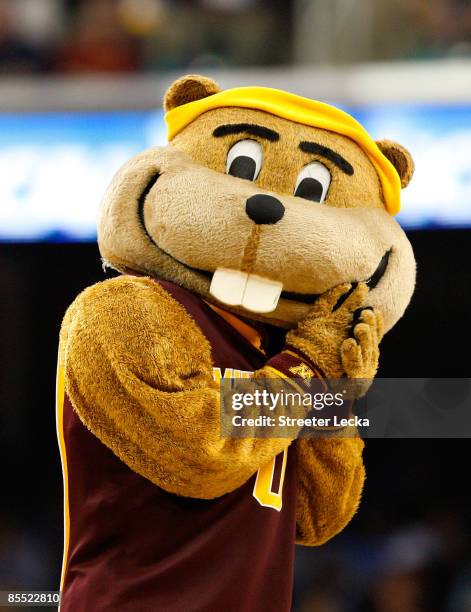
x=400, y=158
x=188, y=89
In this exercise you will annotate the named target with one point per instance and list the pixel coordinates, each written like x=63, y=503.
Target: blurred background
x=81, y=83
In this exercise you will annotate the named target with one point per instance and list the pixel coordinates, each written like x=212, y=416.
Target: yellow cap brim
x=300, y=110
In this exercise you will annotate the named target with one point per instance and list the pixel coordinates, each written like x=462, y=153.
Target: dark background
x=410, y=538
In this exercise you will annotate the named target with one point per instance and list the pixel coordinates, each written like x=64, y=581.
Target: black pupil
x=310, y=189
x=243, y=167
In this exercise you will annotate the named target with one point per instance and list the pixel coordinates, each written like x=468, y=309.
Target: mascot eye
x=313, y=182
x=244, y=159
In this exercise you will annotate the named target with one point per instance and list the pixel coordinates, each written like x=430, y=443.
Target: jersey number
x=263, y=489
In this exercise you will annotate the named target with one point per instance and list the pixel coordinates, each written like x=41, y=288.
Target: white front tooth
x=228, y=286
x=261, y=294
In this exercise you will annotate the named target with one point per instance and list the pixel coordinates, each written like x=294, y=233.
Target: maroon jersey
x=131, y=546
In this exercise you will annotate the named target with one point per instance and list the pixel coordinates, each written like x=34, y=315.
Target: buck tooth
x=228, y=286
x=261, y=294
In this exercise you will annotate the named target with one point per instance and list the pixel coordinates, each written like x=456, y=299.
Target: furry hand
x=341, y=336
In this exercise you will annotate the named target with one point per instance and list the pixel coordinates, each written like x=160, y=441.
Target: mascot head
x=261, y=201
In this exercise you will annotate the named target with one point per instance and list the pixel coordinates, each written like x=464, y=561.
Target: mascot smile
x=261, y=242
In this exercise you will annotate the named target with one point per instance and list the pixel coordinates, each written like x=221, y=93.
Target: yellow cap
x=301, y=110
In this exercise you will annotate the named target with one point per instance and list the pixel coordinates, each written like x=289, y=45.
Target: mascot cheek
x=394, y=291
x=201, y=229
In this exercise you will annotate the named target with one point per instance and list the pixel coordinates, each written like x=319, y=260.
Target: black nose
x=264, y=209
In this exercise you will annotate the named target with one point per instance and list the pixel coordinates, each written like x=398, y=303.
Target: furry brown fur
x=325, y=328
x=156, y=406
x=174, y=213
x=314, y=248
x=283, y=160
x=400, y=158
x=187, y=89
x=317, y=461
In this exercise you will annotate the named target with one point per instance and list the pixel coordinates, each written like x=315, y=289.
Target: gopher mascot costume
x=268, y=217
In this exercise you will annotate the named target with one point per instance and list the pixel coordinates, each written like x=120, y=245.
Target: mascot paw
x=360, y=353
x=324, y=335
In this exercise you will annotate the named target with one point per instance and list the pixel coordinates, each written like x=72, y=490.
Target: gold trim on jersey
x=60, y=395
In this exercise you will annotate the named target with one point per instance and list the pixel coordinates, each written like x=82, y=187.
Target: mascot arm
x=330, y=481
x=138, y=372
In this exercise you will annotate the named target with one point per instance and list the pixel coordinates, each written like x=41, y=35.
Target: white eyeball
x=244, y=159
x=313, y=182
